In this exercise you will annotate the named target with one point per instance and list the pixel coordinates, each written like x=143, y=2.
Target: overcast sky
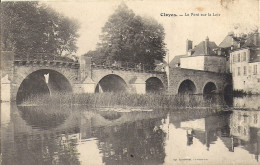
x=92, y=15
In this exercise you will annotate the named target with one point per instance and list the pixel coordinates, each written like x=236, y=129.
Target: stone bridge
x=23, y=77
x=198, y=82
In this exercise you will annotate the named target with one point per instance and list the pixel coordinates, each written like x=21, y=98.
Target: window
x=245, y=117
x=255, y=118
x=244, y=56
x=255, y=69
x=238, y=71
x=238, y=57
x=234, y=58
x=245, y=70
x=245, y=132
x=239, y=129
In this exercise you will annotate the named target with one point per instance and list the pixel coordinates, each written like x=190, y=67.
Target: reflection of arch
x=111, y=83
x=37, y=116
x=187, y=87
x=209, y=88
x=35, y=84
x=154, y=84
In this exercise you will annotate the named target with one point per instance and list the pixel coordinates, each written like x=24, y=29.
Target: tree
x=131, y=38
x=30, y=28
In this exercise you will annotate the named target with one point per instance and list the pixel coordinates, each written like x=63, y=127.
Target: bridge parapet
x=127, y=66
x=45, y=59
x=73, y=65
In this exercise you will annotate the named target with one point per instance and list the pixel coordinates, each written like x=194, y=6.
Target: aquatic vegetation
x=150, y=100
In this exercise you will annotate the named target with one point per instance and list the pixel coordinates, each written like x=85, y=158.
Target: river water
x=76, y=135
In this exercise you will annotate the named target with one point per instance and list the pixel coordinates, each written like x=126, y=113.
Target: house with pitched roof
x=205, y=56
x=245, y=64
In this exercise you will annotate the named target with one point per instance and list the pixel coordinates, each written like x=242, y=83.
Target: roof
x=255, y=56
x=228, y=41
x=256, y=59
x=245, y=41
x=200, y=48
x=176, y=60
x=249, y=42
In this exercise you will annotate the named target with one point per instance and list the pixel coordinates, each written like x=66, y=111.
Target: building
x=205, y=56
x=228, y=43
x=245, y=64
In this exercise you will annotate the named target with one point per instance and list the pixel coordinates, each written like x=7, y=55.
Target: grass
x=96, y=100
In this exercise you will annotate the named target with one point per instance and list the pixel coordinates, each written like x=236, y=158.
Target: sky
x=235, y=15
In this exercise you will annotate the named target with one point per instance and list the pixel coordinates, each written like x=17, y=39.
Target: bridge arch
x=228, y=89
x=42, y=82
x=154, y=84
x=209, y=88
x=111, y=83
x=228, y=94
x=187, y=87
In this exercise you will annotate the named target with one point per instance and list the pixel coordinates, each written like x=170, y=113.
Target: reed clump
x=150, y=100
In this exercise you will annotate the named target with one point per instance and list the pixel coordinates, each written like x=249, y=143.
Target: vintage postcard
x=94, y=82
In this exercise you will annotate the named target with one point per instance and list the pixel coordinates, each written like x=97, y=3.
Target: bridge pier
x=139, y=86
x=87, y=86
x=5, y=89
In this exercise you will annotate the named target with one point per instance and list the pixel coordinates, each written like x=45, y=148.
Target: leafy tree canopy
x=33, y=27
x=131, y=38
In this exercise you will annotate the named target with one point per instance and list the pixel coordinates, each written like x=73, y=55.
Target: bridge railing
x=128, y=66
x=43, y=57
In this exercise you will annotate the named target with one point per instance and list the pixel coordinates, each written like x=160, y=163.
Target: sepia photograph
x=130, y=82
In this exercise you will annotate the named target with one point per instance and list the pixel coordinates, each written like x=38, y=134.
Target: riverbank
x=97, y=100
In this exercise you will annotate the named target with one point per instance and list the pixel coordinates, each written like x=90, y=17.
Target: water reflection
x=43, y=117
x=146, y=145
x=249, y=102
x=245, y=129
x=36, y=135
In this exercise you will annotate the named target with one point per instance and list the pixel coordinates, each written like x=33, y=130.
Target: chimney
x=256, y=39
x=231, y=33
x=233, y=41
x=207, y=46
x=188, y=45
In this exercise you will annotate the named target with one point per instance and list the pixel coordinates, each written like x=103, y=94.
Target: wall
x=215, y=64
x=196, y=62
x=243, y=74
x=207, y=63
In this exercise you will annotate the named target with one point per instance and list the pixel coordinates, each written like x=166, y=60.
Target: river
x=76, y=135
